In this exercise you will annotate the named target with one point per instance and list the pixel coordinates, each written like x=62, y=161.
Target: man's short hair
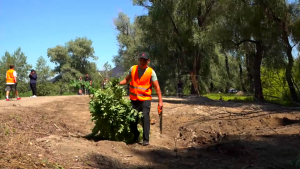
x=11, y=66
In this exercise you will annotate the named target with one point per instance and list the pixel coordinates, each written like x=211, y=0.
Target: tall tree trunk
x=194, y=83
x=195, y=75
x=249, y=67
x=289, y=67
x=227, y=71
x=282, y=23
x=241, y=77
x=288, y=74
x=256, y=71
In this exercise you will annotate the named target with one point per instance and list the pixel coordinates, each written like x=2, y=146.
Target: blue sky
x=36, y=25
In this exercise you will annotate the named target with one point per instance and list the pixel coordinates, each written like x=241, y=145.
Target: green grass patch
x=228, y=97
x=25, y=94
x=69, y=94
x=243, y=98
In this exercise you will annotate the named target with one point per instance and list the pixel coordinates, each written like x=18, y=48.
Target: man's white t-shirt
x=15, y=75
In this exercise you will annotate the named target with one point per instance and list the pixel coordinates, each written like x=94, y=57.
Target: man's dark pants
x=141, y=106
x=85, y=90
x=33, y=88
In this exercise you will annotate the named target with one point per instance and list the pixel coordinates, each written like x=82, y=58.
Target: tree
x=107, y=69
x=74, y=55
x=19, y=60
x=296, y=72
x=44, y=73
x=287, y=21
x=72, y=61
x=128, y=39
x=80, y=51
x=43, y=70
x=245, y=29
x=59, y=56
x=217, y=44
x=176, y=30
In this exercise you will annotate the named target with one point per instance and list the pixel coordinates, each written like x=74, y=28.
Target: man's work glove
x=159, y=110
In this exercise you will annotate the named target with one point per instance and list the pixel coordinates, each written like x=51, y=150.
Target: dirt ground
x=46, y=132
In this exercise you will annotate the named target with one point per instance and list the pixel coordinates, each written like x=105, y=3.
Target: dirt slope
x=45, y=132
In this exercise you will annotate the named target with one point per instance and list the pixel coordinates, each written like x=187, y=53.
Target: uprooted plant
x=112, y=113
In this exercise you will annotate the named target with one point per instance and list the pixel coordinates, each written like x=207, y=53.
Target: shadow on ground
x=233, y=152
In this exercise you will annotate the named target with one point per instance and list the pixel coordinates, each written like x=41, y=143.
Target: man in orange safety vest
x=140, y=89
x=11, y=82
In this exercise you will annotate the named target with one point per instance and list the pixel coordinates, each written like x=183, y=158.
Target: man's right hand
x=159, y=108
x=124, y=81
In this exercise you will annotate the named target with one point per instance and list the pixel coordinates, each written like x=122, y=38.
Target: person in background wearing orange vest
x=140, y=89
x=11, y=82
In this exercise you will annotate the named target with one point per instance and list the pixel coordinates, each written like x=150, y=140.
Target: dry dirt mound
x=46, y=132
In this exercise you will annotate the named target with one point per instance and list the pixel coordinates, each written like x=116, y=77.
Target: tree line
x=72, y=60
x=214, y=45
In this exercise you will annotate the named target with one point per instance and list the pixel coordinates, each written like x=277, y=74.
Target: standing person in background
x=33, y=78
x=81, y=86
x=11, y=82
x=142, y=79
x=104, y=83
x=179, y=88
x=87, y=79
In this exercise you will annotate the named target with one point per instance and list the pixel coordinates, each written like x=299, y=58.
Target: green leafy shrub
x=77, y=84
x=112, y=113
x=274, y=83
x=47, y=89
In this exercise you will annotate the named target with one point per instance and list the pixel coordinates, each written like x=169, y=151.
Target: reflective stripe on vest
x=140, y=88
x=137, y=94
x=10, y=76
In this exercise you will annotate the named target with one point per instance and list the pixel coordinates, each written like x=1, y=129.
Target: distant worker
x=87, y=79
x=104, y=83
x=33, y=78
x=179, y=88
x=81, y=86
x=142, y=78
x=11, y=82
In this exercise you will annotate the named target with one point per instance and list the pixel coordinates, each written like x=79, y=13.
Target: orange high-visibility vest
x=10, y=76
x=140, y=88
